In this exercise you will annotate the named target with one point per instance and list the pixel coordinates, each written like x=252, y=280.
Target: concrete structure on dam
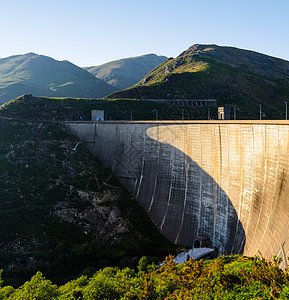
x=225, y=180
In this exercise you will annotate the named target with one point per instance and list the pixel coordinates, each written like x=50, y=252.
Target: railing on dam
x=225, y=180
x=173, y=122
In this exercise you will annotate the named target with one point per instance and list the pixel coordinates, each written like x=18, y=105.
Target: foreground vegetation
x=227, y=277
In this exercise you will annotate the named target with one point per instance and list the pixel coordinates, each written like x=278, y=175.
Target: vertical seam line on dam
x=185, y=199
x=170, y=192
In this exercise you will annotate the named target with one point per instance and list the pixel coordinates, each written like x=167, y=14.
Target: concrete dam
x=224, y=180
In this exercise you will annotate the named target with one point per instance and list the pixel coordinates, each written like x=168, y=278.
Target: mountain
x=41, y=75
x=232, y=76
x=126, y=72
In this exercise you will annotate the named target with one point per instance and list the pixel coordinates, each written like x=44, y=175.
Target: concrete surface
x=226, y=180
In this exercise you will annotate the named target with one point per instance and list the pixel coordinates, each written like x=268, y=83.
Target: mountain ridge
x=126, y=72
x=235, y=77
x=31, y=73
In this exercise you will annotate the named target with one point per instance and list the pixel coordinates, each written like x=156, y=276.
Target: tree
x=38, y=288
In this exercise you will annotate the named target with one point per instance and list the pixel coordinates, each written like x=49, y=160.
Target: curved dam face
x=227, y=181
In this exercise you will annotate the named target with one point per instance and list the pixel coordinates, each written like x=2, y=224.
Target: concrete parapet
x=224, y=180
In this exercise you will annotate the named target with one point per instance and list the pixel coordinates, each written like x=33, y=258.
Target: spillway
x=227, y=181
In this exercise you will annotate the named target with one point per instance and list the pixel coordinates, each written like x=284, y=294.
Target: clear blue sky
x=92, y=32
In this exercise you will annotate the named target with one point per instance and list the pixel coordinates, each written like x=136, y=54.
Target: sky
x=93, y=32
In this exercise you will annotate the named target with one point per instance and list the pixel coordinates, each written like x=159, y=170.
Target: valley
x=165, y=178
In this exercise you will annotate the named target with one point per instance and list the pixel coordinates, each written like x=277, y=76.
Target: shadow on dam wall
x=227, y=181
x=183, y=200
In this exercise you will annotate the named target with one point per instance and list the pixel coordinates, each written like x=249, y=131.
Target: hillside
x=61, y=109
x=233, y=76
x=126, y=72
x=61, y=210
x=41, y=75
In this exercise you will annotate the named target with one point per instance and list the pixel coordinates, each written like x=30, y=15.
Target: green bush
x=38, y=288
x=227, y=277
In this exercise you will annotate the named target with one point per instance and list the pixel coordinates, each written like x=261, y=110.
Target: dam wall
x=225, y=180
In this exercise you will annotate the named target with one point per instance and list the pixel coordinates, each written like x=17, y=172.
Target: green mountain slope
x=126, y=72
x=233, y=76
x=61, y=210
x=41, y=75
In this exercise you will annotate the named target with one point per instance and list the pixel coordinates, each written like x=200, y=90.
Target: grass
x=169, y=67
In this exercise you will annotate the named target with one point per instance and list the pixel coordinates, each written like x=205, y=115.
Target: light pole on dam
x=224, y=180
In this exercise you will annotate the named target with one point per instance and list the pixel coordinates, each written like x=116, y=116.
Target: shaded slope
x=230, y=75
x=61, y=210
x=61, y=109
x=42, y=75
x=126, y=72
